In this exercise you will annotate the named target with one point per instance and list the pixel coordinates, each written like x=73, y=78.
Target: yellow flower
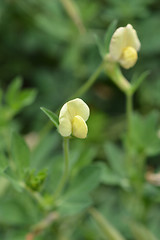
x=72, y=118
x=124, y=46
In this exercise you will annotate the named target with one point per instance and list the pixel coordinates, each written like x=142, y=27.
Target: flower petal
x=79, y=127
x=117, y=43
x=65, y=127
x=78, y=107
x=123, y=37
x=132, y=38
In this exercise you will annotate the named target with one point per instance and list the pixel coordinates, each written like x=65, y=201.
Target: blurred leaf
x=105, y=227
x=109, y=177
x=13, y=90
x=11, y=213
x=145, y=138
x=140, y=232
x=13, y=180
x=3, y=162
x=17, y=98
x=115, y=157
x=20, y=153
x=43, y=151
x=139, y=80
x=52, y=116
x=110, y=30
x=100, y=46
x=77, y=196
x=75, y=206
x=81, y=156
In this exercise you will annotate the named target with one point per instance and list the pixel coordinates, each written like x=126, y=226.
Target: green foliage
x=20, y=155
x=77, y=197
x=145, y=139
x=113, y=170
x=36, y=180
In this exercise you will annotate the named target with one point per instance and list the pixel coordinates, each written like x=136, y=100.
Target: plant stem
x=36, y=195
x=66, y=168
x=129, y=110
x=73, y=12
x=84, y=88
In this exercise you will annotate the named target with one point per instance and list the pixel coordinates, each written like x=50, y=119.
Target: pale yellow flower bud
x=124, y=46
x=72, y=118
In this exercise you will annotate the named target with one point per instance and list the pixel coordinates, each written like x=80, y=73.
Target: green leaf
x=3, y=162
x=77, y=195
x=13, y=90
x=145, y=138
x=13, y=181
x=109, y=177
x=52, y=116
x=111, y=29
x=75, y=206
x=115, y=157
x=139, y=81
x=17, y=98
x=140, y=232
x=86, y=180
x=105, y=227
x=20, y=154
x=100, y=46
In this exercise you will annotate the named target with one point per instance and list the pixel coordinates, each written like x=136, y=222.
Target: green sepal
x=111, y=29
x=52, y=116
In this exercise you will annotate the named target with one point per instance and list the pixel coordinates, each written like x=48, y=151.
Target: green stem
x=66, y=168
x=84, y=88
x=36, y=195
x=129, y=110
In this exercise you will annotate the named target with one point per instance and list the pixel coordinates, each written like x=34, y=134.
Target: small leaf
x=139, y=81
x=105, y=227
x=115, y=157
x=109, y=33
x=20, y=153
x=100, y=46
x=52, y=116
x=13, y=90
x=109, y=177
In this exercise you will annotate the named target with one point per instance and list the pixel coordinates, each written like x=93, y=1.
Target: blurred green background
x=41, y=43
x=53, y=54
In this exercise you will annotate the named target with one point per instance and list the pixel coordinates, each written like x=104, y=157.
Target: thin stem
x=85, y=87
x=66, y=168
x=73, y=12
x=129, y=110
x=36, y=195
x=42, y=225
